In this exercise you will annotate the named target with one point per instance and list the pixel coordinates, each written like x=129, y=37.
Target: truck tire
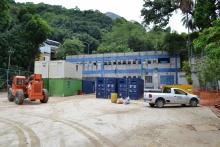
x=193, y=102
x=160, y=103
x=152, y=105
x=46, y=97
x=19, y=97
x=10, y=96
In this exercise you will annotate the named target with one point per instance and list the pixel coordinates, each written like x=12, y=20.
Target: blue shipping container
x=111, y=86
x=122, y=88
x=135, y=88
x=88, y=86
x=101, y=88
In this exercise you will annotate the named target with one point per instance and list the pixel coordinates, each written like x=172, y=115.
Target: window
x=167, y=90
x=148, y=79
x=77, y=67
x=68, y=84
x=163, y=60
x=149, y=61
x=134, y=62
x=178, y=91
x=154, y=61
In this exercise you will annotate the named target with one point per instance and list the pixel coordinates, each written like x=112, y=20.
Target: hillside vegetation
x=25, y=26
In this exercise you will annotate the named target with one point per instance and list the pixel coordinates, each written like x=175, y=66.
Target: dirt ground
x=85, y=121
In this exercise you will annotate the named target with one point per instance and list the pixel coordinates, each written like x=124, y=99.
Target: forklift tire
x=10, y=96
x=19, y=97
x=46, y=97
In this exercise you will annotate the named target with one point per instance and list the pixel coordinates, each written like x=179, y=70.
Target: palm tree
x=187, y=7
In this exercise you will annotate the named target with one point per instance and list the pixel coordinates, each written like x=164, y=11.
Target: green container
x=46, y=83
x=64, y=87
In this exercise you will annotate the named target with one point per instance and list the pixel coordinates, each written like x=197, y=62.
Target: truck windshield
x=20, y=81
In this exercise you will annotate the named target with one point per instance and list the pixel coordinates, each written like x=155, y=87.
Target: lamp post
x=87, y=46
x=9, y=59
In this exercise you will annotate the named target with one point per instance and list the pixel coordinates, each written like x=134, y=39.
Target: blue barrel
x=122, y=87
x=101, y=87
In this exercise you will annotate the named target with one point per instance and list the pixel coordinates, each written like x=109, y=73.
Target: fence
x=208, y=98
x=11, y=73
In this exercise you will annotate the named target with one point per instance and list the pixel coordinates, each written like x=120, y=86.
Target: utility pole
x=87, y=46
x=9, y=60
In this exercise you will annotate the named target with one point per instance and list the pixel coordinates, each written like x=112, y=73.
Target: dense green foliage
x=174, y=43
x=25, y=26
x=4, y=15
x=71, y=46
x=208, y=43
x=205, y=13
x=187, y=69
x=202, y=12
x=125, y=37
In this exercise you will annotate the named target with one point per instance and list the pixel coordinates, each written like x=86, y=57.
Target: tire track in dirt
x=98, y=140
x=20, y=134
x=20, y=130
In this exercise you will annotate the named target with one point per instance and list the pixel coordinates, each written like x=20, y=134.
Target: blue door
x=168, y=79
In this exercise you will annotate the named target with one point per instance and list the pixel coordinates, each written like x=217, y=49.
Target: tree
x=205, y=13
x=174, y=43
x=187, y=69
x=130, y=35
x=208, y=41
x=71, y=46
x=112, y=48
x=89, y=42
x=4, y=5
x=208, y=71
x=5, y=18
x=34, y=30
x=159, y=12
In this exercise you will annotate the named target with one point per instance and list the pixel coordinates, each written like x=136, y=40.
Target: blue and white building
x=154, y=67
x=48, y=50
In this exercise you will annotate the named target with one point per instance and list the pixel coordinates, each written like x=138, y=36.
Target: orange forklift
x=31, y=88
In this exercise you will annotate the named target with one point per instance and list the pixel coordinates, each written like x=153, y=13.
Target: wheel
x=10, y=96
x=193, y=103
x=19, y=97
x=46, y=97
x=152, y=105
x=183, y=105
x=159, y=103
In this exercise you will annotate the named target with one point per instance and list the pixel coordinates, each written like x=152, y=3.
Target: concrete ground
x=85, y=121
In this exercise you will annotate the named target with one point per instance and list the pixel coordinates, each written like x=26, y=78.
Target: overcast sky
x=129, y=9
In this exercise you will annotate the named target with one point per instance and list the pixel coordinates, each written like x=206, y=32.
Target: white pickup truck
x=171, y=96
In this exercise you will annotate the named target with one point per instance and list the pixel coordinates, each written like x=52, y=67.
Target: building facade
x=48, y=50
x=154, y=67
